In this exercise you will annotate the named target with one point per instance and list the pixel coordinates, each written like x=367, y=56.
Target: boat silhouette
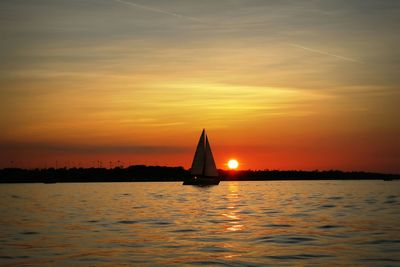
x=203, y=171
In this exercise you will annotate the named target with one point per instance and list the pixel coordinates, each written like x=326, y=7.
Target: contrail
x=157, y=10
x=325, y=53
x=177, y=15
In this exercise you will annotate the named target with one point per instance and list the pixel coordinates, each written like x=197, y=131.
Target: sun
x=233, y=164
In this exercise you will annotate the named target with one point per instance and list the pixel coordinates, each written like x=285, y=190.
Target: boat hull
x=202, y=181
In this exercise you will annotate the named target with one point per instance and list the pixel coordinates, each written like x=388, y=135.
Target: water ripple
x=298, y=256
x=328, y=226
x=127, y=222
x=278, y=225
x=326, y=206
x=310, y=223
x=285, y=239
x=29, y=233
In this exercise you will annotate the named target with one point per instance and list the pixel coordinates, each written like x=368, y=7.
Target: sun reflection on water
x=234, y=222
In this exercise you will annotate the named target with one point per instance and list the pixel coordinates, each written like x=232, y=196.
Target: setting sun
x=233, y=164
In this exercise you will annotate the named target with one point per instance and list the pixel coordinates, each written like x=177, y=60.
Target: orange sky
x=285, y=85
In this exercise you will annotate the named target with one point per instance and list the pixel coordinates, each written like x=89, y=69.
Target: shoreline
x=142, y=173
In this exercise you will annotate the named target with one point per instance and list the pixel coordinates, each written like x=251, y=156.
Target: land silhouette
x=143, y=173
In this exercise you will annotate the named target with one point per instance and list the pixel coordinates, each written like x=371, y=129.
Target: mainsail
x=203, y=162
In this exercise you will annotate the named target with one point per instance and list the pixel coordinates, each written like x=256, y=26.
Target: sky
x=287, y=84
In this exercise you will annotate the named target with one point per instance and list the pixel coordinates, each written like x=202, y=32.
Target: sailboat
x=203, y=170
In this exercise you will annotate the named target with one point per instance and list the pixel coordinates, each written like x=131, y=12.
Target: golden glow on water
x=234, y=221
x=255, y=223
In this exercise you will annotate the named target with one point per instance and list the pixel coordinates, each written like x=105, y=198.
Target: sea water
x=277, y=223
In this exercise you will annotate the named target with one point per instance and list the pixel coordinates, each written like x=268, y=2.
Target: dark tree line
x=142, y=173
x=261, y=175
x=129, y=174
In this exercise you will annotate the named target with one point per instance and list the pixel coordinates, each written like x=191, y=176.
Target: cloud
x=325, y=53
x=91, y=149
x=158, y=10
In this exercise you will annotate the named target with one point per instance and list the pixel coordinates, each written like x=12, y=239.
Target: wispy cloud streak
x=158, y=10
x=325, y=53
x=81, y=148
x=181, y=16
